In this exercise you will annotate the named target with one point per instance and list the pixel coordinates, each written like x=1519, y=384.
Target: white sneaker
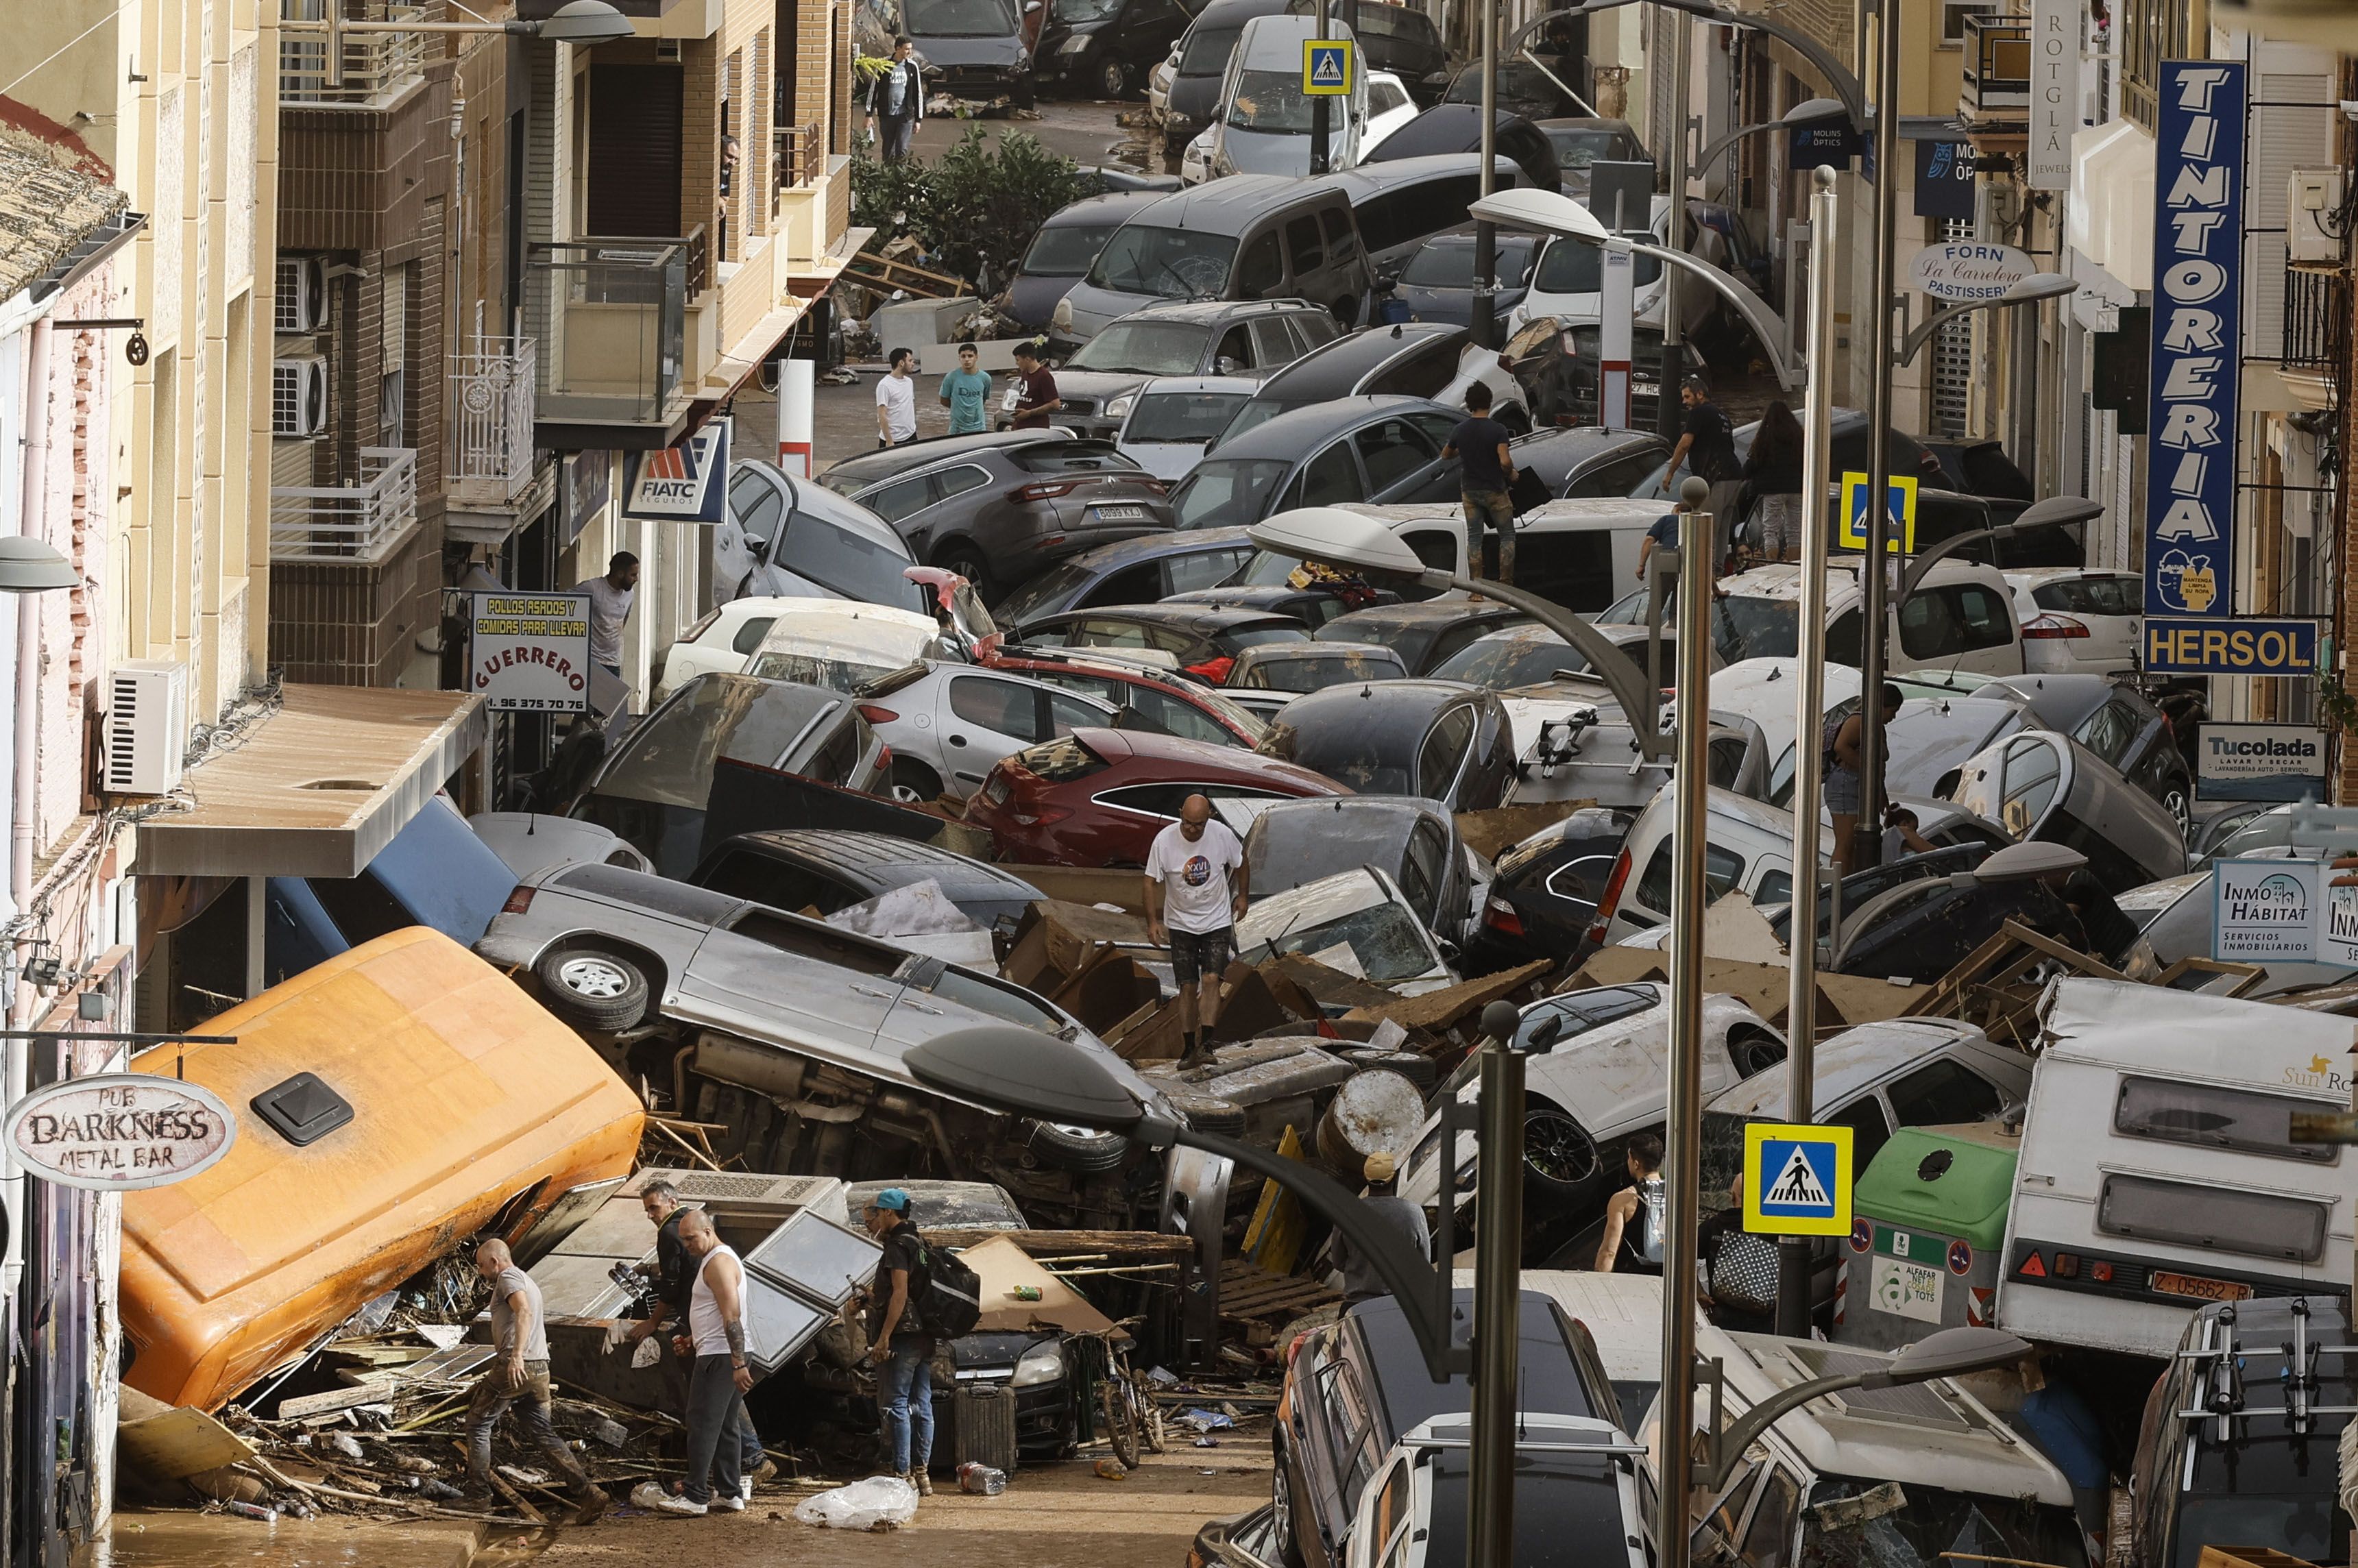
x=682, y=1506
x=729, y=1505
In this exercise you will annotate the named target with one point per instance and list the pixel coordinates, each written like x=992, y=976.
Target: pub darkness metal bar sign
x=2197, y=348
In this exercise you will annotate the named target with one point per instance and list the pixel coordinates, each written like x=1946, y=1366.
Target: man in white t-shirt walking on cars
x=1195, y=888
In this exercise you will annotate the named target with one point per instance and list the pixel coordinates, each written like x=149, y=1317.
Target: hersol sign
x=119, y=1131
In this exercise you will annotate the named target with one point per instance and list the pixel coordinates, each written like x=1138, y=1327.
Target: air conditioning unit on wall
x=2313, y=199
x=300, y=295
x=298, y=397
x=147, y=730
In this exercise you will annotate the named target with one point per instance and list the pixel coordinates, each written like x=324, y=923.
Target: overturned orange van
x=392, y=1102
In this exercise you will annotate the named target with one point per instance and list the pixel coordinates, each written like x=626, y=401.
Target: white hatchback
x=1174, y=419
x=842, y=634
x=2079, y=619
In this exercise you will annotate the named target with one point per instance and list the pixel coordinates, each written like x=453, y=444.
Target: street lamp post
x=1682, y=1158
x=2030, y=290
x=1805, y=113
x=1343, y=538
x=1793, y=1259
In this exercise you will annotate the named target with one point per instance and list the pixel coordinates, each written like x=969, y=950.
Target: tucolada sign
x=1967, y=270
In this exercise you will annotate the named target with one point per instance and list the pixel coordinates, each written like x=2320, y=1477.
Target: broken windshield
x=1383, y=939
x=1857, y=1523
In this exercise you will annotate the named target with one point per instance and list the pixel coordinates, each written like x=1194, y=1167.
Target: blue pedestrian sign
x=1797, y=1180
x=1325, y=67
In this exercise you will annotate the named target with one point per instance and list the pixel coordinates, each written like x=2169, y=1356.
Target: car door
x=762, y=977
x=1331, y=478
x=1441, y=482
x=1401, y=462
x=1274, y=343
x=1441, y=760
x=1380, y=1534
x=1204, y=568
x=981, y=719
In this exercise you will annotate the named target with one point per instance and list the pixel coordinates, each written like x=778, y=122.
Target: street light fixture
x=2056, y=511
x=2030, y=290
x=1341, y=539
x=579, y=21
x=1951, y=1353
x=1805, y=113
x=33, y=566
x=1526, y=207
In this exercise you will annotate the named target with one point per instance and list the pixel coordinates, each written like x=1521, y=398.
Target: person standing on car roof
x=1195, y=888
x=1486, y=474
x=1707, y=446
x=1360, y=1281
x=1844, y=775
x=673, y=1280
x=897, y=100
x=898, y=1345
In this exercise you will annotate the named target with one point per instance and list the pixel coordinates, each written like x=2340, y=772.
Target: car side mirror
x=1226, y=365
x=758, y=545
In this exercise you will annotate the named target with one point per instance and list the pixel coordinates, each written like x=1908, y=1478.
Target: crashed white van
x=2157, y=1168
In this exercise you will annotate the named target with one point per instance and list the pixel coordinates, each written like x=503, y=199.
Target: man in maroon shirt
x=1039, y=397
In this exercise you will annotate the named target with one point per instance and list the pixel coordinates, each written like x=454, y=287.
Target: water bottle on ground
x=981, y=1480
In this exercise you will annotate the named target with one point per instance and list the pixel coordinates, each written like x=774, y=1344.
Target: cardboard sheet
x=1002, y=1265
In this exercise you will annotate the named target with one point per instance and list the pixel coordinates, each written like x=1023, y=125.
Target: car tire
x=2174, y=801
x=1281, y=1507
x=1026, y=95
x=969, y=563
x=590, y=988
x=1112, y=81
x=1209, y=1113
x=1560, y=1159
x=1752, y=1052
x=913, y=783
x=1515, y=418
x=1082, y=1151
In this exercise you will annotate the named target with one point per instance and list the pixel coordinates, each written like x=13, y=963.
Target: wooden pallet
x=885, y=274
x=1247, y=1291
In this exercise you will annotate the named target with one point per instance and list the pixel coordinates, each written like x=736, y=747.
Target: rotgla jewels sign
x=119, y=1131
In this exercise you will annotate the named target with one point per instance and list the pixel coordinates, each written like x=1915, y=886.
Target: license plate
x=2200, y=1288
x=996, y=791
x=1119, y=513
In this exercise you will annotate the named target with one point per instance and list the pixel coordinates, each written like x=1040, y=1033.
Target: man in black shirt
x=1707, y=446
x=674, y=1277
x=1486, y=473
x=898, y=1345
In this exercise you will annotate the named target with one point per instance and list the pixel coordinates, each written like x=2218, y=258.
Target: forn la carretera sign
x=120, y=1131
x=2196, y=341
x=1967, y=270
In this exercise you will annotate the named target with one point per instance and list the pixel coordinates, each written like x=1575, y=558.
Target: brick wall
x=358, y=180
x=339, y=625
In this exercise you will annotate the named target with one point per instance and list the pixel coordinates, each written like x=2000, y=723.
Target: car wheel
x=913, y=783
x=1754, y=1053
x=1559, y=1157
x=1347, y=312
x=968, y=563
x=2174, y=801
x=592, y=988
x=1083, y=1150
x=1281, y=1507
x=1026, y=93
x=1517, y=421
x=1112, y=81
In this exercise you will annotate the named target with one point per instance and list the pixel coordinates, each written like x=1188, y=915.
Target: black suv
x=1356, y=1387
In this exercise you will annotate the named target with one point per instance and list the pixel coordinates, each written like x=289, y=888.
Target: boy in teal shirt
x=963, y=392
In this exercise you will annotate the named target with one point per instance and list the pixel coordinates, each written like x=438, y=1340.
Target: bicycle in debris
x=1119, y=1400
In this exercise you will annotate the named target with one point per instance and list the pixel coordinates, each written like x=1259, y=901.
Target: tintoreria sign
x=119, y=1131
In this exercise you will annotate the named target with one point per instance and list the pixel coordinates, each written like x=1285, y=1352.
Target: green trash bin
x=1928, y=1231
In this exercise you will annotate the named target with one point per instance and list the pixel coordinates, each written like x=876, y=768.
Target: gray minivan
x=1263, y=125
x=1249, y=236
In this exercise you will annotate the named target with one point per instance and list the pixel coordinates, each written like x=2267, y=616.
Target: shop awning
x=2110, y=217
x=316, y=788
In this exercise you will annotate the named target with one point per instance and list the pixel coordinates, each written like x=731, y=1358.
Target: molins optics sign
x=2196, y=341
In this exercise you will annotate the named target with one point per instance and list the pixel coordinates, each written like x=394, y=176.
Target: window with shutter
x=634, y=151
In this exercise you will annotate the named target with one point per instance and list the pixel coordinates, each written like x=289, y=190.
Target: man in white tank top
x=718, y=1384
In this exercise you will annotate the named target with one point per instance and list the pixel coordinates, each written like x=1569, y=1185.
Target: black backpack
x=947, y=1295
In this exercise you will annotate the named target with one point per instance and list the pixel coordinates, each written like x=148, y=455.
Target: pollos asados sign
x=120, y=1131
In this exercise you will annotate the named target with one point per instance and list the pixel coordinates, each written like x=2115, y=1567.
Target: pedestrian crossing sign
x=1797, y=1180
x=1901, y=499
x=1325, y=66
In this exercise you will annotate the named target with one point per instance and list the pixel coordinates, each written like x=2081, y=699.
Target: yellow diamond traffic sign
x=1797, y=1180
x=1325, y=66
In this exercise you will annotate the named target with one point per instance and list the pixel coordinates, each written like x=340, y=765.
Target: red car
x=1097, y=797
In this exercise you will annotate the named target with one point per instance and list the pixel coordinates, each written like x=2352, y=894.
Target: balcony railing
x=801, y=154
x=610, y=316
x=492, y=405
x=1997, y=69
x=352, y=524
x=378, y=66
x=2315, y=313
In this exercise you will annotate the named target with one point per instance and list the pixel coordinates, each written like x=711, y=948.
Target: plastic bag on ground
x=647, y=1495
x=880, y=1501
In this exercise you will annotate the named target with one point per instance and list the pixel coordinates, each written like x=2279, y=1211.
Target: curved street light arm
x=1734, y=136
x=1822, y=59
x=1937, y=319
x=1533, y=61
x=1640, y=701
x=1727, y=1449
x=1757, y=315
x=1411, y=1279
